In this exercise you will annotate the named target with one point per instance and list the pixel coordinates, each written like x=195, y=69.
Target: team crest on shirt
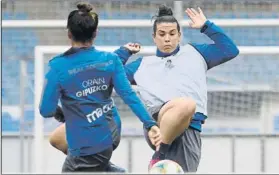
x=169, y=64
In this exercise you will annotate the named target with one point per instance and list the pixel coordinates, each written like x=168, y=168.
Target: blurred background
x=241, y=134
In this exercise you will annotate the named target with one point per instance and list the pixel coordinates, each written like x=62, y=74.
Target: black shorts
x=185, y=149
x=92, y=163
x=115, y=130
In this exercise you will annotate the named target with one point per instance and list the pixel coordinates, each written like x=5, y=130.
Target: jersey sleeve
x=223, y=49
x=123, y=53
x=131, y=69
x=127, y=94
x=50, y=93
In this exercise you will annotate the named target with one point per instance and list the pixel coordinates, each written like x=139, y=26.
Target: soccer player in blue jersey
x=58, y=137
x=82, y=78
x=172, y=84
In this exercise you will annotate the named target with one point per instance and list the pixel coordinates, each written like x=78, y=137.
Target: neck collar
x=162, y=54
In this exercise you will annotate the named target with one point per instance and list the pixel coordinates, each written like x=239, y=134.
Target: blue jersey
x=83, y=80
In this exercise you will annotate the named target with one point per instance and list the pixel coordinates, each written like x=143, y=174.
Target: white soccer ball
x=166, y=167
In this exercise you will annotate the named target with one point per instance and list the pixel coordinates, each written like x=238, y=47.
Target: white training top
x=160, y=79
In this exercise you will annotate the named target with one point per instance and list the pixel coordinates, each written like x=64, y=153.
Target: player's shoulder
x=149, y=58
x=106, y=54
x=190, y=47
x=187, y=46
x=107, y=59
x=55, y=60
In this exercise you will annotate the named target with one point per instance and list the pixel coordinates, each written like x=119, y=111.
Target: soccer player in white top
x=172, y=84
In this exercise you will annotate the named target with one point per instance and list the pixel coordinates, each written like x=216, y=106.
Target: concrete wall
x=219, y=155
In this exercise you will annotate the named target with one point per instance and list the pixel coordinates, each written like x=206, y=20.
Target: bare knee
x=57, y=139
x=174, y=117
x=184, y=108
x=53, y=139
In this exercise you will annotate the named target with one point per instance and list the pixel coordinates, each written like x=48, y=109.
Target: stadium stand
x=19, y=43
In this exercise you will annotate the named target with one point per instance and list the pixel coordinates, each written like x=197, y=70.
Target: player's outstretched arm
x=223, y=49
x=125, y=91
x=50, y=94
x=126, y=51
x=131, y=68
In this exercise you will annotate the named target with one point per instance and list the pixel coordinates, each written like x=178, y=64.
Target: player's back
x=85, y=77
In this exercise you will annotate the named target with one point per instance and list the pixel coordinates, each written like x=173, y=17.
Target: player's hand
x=154, y=135
x=133, y=47
x=59, y=116
x=197, y=18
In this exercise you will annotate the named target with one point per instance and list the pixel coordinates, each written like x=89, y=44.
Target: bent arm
x=125, y=91
x=50, y=94
x=124, y=54
x=131, y=69
x=223, y=49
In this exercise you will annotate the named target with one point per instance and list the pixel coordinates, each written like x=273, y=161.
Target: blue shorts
x=115, y=126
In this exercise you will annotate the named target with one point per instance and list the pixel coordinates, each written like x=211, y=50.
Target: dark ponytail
x=83, y=23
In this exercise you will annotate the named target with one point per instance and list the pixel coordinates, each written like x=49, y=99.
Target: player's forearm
x=221, y=51
x=47, y=110
x=131, y=68
x=125, y=91
x=221, y=40
x=132, y=100
x=51, y=93
x=124, y=54
x=49, y=100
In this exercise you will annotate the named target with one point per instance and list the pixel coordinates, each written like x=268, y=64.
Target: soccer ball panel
x=166, y=167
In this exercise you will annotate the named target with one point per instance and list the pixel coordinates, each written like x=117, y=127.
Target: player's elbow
x=233, y=52
x=46, y=113
x=47, y=109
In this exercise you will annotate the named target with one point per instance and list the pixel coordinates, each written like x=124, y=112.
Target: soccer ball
x=166, y=167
